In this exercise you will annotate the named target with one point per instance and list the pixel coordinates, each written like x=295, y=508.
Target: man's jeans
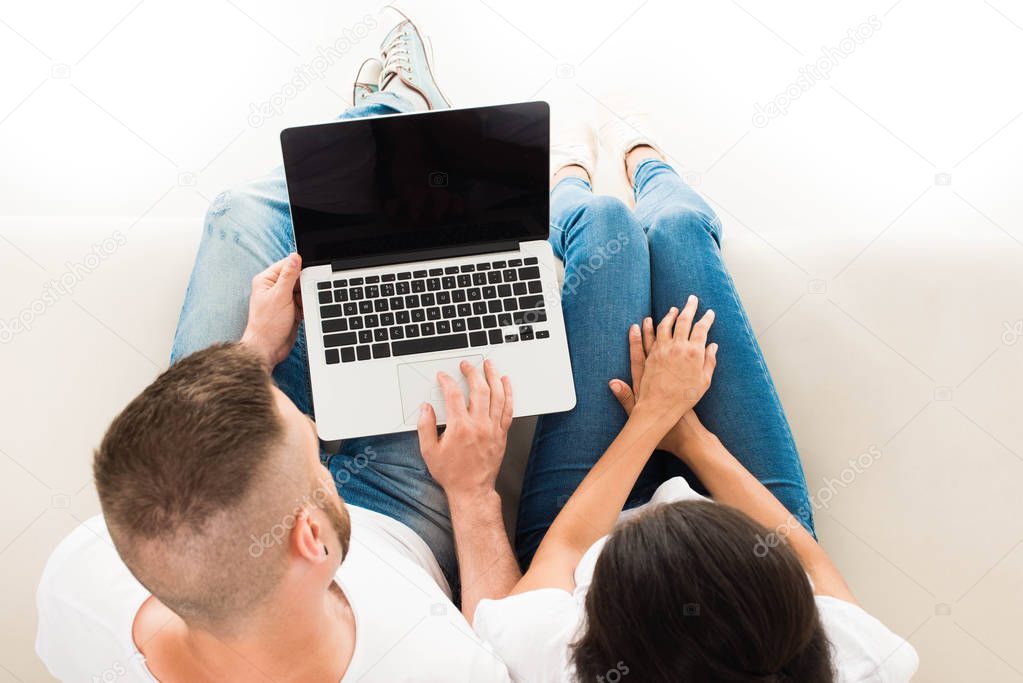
x=619, y=267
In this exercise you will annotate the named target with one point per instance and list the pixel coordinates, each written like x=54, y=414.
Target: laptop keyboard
x=417, y=310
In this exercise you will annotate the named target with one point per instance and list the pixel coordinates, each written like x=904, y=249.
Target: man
x=224, y=551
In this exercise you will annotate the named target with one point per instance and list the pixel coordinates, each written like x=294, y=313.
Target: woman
x=676, y=588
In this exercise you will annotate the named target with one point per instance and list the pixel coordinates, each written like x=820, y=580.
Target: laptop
x=423, y=240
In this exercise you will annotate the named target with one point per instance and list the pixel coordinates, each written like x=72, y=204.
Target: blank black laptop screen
x=404, y=184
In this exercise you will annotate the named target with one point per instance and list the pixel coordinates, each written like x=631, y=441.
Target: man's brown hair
x=190, y=473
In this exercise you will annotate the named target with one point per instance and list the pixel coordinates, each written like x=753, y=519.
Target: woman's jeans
x=619, y=268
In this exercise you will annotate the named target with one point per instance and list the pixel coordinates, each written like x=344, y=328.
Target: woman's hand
x=672, y=368
x=466, y=458
x=275, y=310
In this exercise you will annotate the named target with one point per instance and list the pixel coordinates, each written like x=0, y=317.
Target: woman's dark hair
x=691, y=591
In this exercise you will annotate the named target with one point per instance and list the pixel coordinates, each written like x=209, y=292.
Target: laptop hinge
x=396, y=258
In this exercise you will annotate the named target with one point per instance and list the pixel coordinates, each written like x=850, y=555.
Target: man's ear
x=307, y=537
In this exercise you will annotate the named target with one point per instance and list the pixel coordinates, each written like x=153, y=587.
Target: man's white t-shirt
x=532, y=631
x=407, y=628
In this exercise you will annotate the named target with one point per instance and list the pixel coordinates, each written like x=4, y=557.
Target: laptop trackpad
x=418, y=384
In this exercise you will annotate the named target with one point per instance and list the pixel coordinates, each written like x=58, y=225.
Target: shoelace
x=396, y=58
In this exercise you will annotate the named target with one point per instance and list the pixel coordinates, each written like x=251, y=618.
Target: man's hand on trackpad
x=275, y=310
x=466, y=458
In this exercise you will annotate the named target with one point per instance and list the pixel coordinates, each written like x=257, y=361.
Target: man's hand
x=466, y=458
x=275, y=310
x=671, y=370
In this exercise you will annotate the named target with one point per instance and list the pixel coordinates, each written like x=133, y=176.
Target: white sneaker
x=573, y=143
x=620, y=134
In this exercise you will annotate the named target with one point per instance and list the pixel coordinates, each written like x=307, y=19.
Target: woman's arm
x=731, y=483
x=677, y=372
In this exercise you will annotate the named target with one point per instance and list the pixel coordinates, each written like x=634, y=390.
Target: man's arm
x=465, y=461
x=275, y=310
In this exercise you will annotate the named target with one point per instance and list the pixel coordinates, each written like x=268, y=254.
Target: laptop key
x=332, y=356
x=387, y=289
x=436, y=271
x=387, y=319
x=412, y=301
x=531, y=261
x=494, y=306
x=543, y=334
x=529, y=317
x=323, y=285
x=335, y=325
x=418, y=315
x=464, y=310
x=387, y=277
x=489, y=321
x=433, y=313
x=451, y=269
x=371, y=320
x=396, y=304
x=511, y=304
x=483, y=266
x=428, y=299
x=427, y=329
x=511, y=338
x=447, y=282
x=418, y=286
x=479, y=308
x=355, y=281
x=347, y=354
x=380, y=334
x=477, y=338
x=493, y=277
x=458, y=325
x=534, y=287
x=479, y=279
x=475, y=323
x=419, y=273
x=509, y=275
x=529, y=273
x=381, y=350
x=504, y=291
x=504, y=320
x=362, y=352
x=355, y=293
x=326, y=297
x=365, y=306
x=468, y=268
x=464, y=280
x=340, y=295
x=405, y=276
x=365, y=336
x=444, y=327
x=397, y=333
x=526, y=333
x=411, y=331
x=341, y=339
x=402, y=288
x=355, y=323
x=443, y=297
x=372, y=291
x=402, y=317
x=474, y=294
x=519, y=288
x=448, y=311
x=340, y=283
x=351, y=308
x=332, y=311
x=433, y=284
x=445, y=342
x=515, y=263
x=498, y=264
x=495, y=336
x=372, y=279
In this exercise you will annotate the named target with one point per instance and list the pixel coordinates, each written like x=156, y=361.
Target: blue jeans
x=246, y=229
x=621, y=266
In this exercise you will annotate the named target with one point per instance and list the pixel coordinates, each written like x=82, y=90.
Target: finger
x=701, y=328
x=624, y=394
x=496, y=390
x=479, y=392
x=509, y=407
x=667, y=324
x=684, y=324
x=454, y=399
x=290, y=270
x=648, y=334
x=427, y=428
x=268, y=277
x=710, y=361
x=637, y=357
